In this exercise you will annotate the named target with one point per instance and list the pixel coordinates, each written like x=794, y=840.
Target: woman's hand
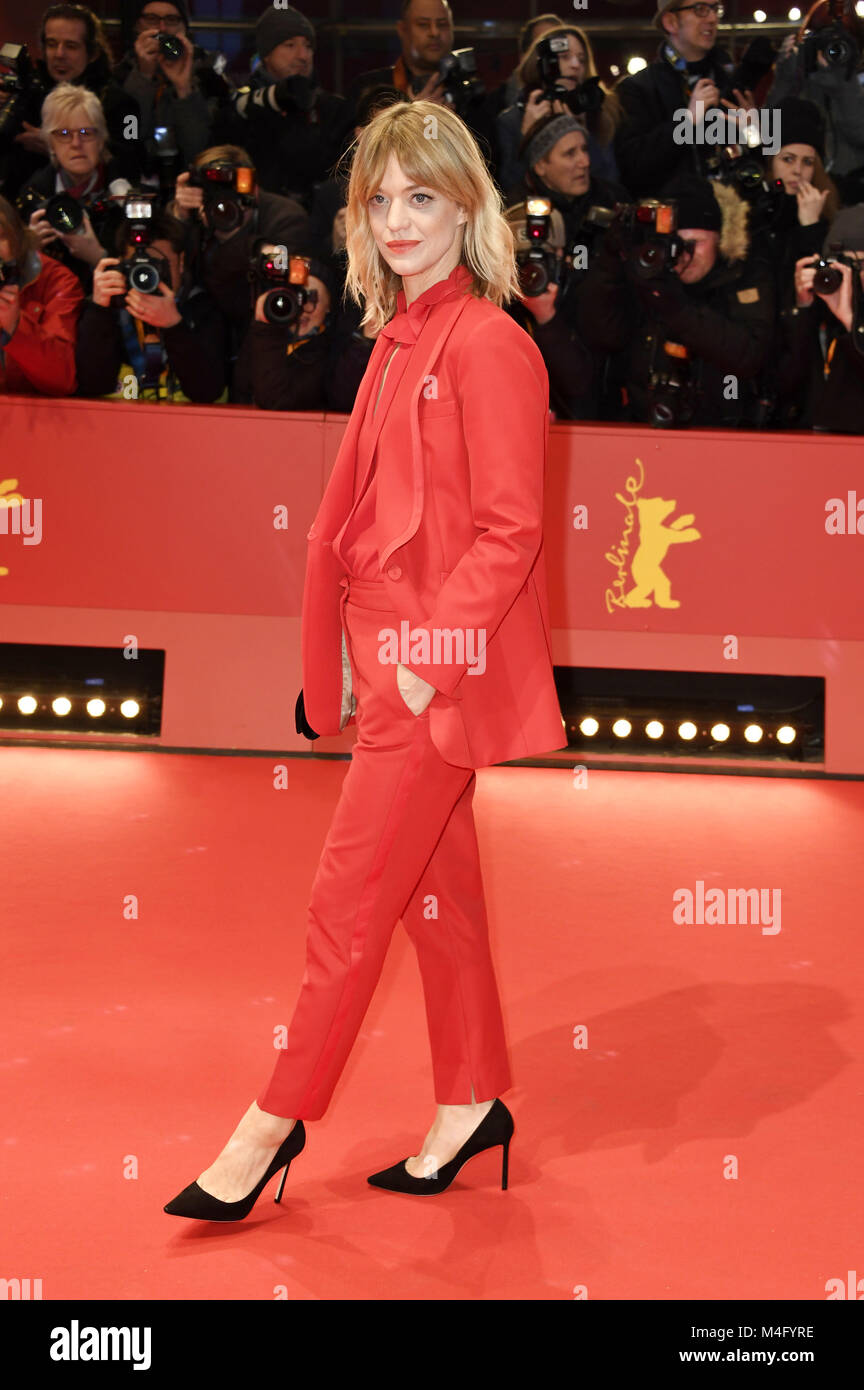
x=810, y=203
x=84, y=244
x=45, y=233
x=416, y=692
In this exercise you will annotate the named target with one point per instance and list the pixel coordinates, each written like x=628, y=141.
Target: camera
x=170, y=47
x=834, y=41
x=228, y=190
x=142, y=270
x=289, y=278
x=671, y=394
x=538, y=230
x=644, y=234
x=26, y=88
x=585, y=99
x=458, y=74
x=744, y=172
x=828, y=277
x=62, y=212
x=9, y=274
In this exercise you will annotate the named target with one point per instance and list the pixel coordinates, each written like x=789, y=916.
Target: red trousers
x=402, y=843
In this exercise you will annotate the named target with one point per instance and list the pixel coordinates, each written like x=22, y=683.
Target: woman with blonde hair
x=75, y=131
x=425, y=618
x=597, y=105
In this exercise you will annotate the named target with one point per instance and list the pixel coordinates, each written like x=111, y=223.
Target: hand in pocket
x=416, y=692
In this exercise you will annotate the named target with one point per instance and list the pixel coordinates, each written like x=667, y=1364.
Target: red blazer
x=460, y=537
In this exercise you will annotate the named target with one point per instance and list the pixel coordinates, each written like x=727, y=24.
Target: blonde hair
x=448, y=160
x=59, y=105
x=528, y=74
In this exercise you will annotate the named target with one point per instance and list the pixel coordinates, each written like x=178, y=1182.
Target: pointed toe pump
x=194, y=1202
x=495, y=1128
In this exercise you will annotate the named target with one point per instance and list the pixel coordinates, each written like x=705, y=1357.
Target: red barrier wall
x=187, y=528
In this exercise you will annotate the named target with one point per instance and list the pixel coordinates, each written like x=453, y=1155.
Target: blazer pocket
x=432, y=410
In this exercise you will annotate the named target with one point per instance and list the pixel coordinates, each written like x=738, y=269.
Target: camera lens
x=144, y=278
x=64, y=213
x=224, y=214
x=838, y=51
x=281, y=306
x=827, y=280
x=533, y=278
x=170, y=48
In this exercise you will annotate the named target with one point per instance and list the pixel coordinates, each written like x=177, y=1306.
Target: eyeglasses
x=65, y=137
x=701, y=11
x=153, y=21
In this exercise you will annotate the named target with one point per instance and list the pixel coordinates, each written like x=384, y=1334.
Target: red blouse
x=356, y=543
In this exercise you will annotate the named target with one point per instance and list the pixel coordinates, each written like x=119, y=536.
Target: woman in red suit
x=425, y=617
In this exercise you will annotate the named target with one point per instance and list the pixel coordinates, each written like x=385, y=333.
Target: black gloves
x=300, y=721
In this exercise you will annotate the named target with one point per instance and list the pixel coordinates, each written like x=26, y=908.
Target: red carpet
x=134, y=1043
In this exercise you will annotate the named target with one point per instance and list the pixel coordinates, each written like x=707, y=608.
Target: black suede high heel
x=194, y=1202
x=496, y=1127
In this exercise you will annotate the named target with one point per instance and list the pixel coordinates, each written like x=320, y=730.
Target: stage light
x=795, y=14
x=687, y=729
x=129, y=709
x=61, y=705
x=760, y=16
x=786, y=734
x=753, y=733
x=588, y=726
x=621, y=728
x=27, y=705
x=614, y=69
x=859, y=9
x=95, y=708
x=635, y=65
x=719, y=732
x=654, y=729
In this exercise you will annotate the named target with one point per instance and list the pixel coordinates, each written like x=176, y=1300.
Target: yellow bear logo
x=654, y=541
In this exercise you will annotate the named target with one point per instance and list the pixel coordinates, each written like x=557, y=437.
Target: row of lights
x=622, y=728
x=27, y=704
x=635, y=65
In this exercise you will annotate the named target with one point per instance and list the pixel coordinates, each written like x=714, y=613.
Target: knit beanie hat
x=697, y=205
x=848, y=228
x=801, y=123
x=179, y=5
x=277, y=25
x=545, y=133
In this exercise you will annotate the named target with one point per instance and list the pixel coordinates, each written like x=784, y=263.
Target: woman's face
x=77, y=154
x=573, y=63
x=5, y=247
x=424, y=218
x=567, y=166
x=794, y=164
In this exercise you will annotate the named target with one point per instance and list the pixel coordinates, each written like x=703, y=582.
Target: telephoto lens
x=64, y=213
x=170, y=48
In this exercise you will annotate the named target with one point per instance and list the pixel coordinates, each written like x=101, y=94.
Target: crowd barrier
x=185, y=527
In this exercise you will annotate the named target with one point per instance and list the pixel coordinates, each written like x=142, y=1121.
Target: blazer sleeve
x=503, y=390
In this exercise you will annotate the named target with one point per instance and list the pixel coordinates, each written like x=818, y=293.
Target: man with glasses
x=175, y=114
x=74, y=49
x=690, y=72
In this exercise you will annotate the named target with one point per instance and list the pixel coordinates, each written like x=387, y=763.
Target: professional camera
x=538, y=230
x=170, y=47
x=583, y=100
x=26, y=87
x=671, y=391
x=63, y=212
x=645, y=234
x=228, y=190
x=835, y=41
x=828, y=277
x=289, y=278
x=143, y=271
x=458, y=73
x=744, y=172
x=9, y=274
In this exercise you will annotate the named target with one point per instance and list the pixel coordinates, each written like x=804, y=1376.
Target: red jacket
x=460, y=537
x=40, y=355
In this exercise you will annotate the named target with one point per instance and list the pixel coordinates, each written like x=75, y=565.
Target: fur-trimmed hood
x=734, y=241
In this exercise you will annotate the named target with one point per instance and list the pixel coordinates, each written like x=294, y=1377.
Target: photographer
x=168, y=336
x=289, y=344
x=75, y=132
x=797, y=201
x=74, y=50
x=827, y=69
x=689, y=73
x=556, y=152
x=171, y=89
x=39, y=306
x=822, y=358
x=227, y=213
x=697, y=331
x=425, y=31
x=293, y=129
x=562, y=57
